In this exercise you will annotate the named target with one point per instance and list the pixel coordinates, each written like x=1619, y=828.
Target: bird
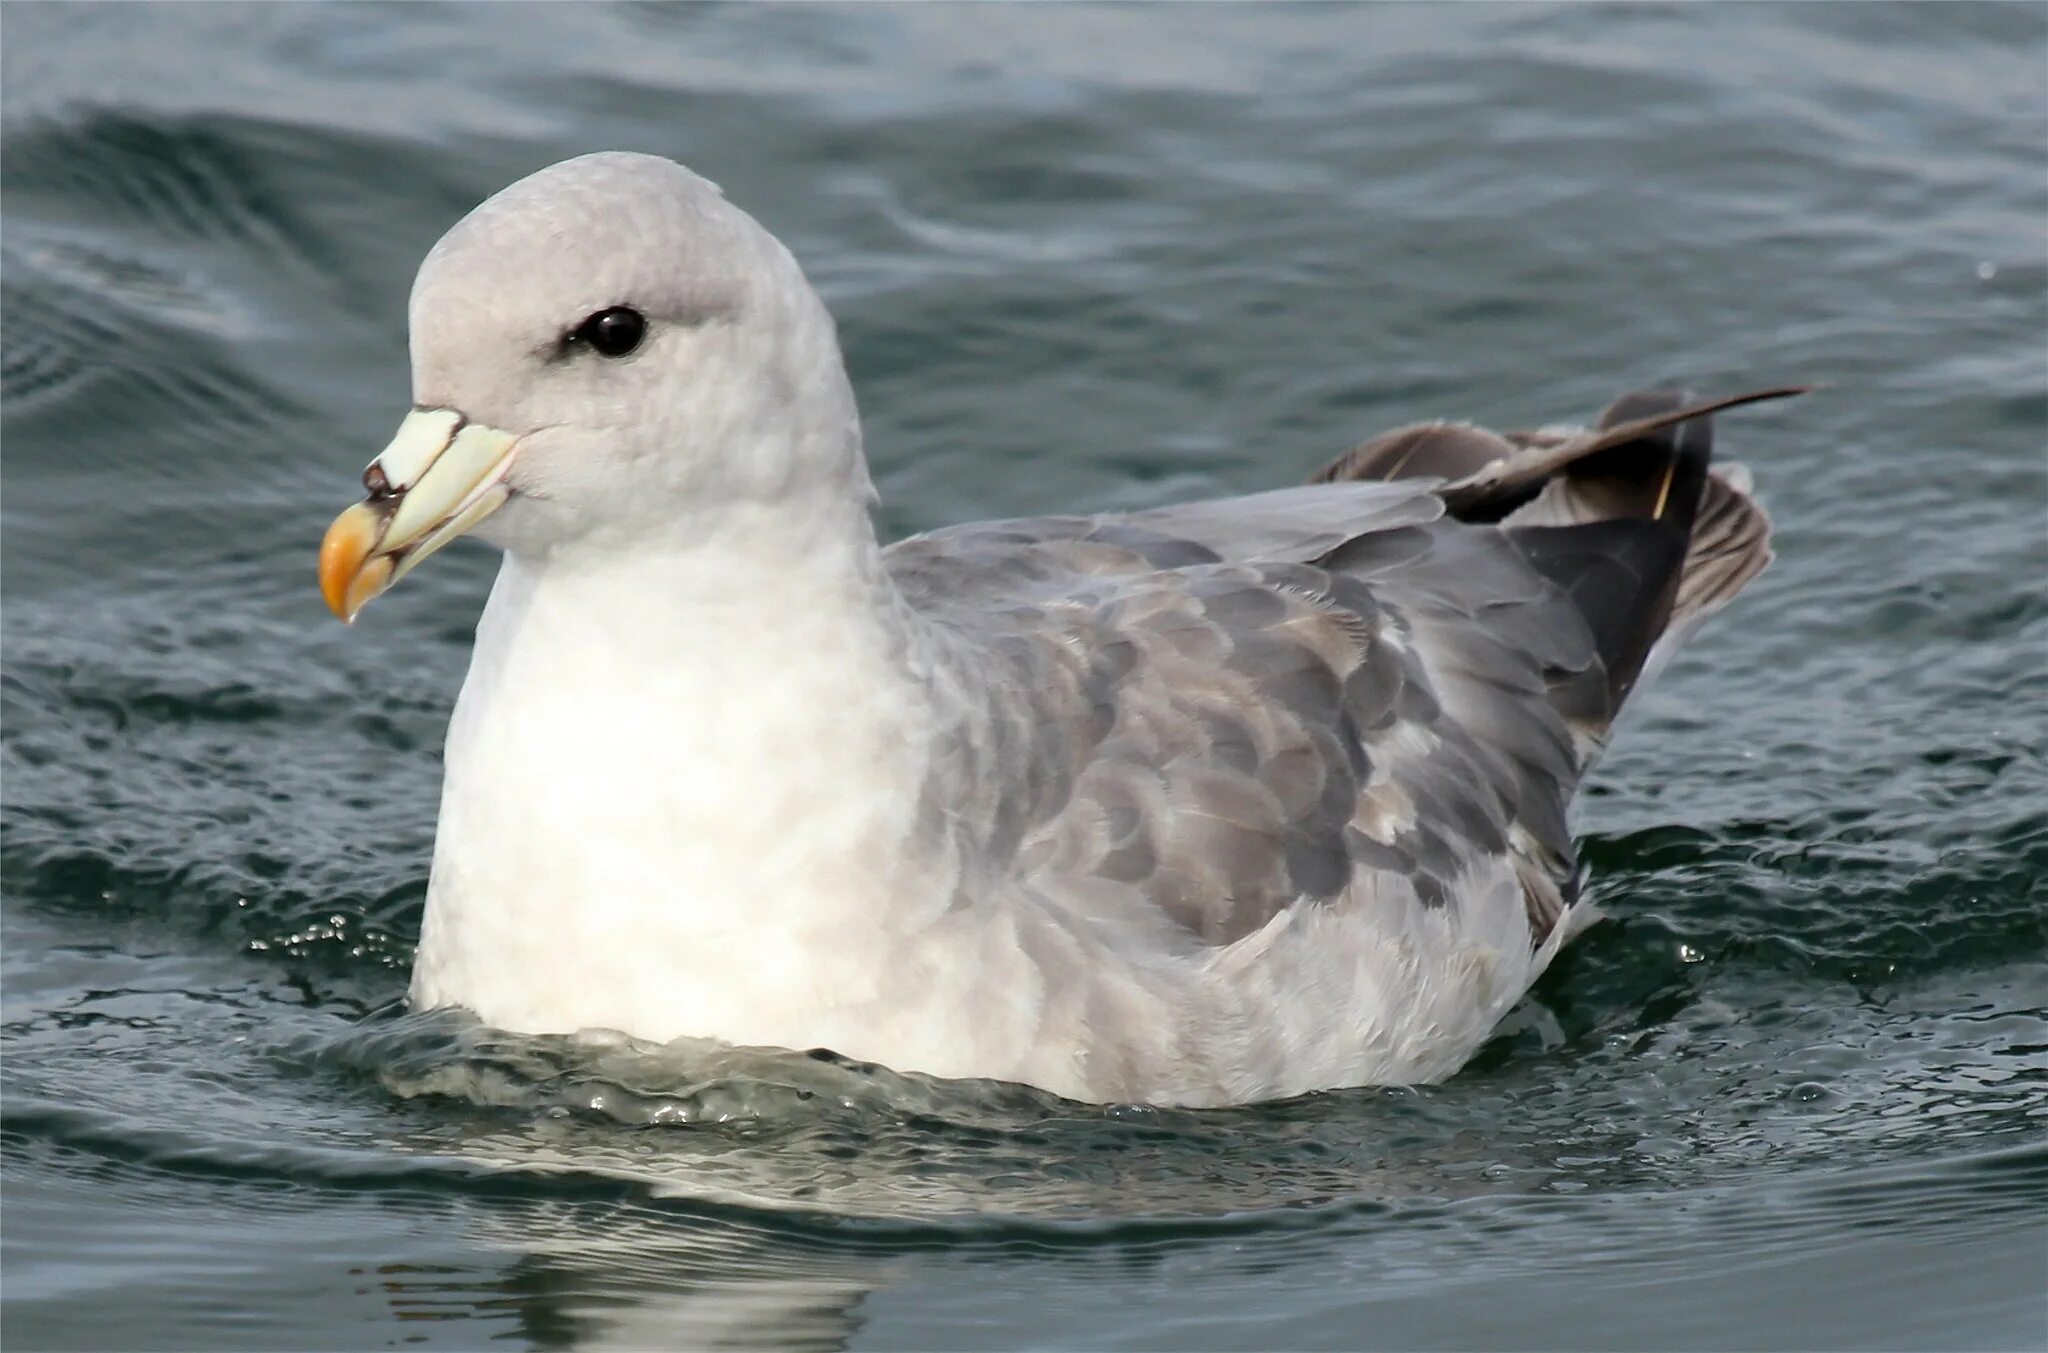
x=1204, y=804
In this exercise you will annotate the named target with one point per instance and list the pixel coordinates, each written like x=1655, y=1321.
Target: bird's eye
x=613, y=332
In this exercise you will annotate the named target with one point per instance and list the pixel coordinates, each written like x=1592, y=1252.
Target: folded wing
x=1379, y=690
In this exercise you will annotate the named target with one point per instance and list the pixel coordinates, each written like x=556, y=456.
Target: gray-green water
x=1795, y=1095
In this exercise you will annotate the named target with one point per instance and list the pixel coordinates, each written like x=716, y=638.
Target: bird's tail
x=1629, y=517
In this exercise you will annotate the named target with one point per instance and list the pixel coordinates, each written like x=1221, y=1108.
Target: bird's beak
x=440, y=476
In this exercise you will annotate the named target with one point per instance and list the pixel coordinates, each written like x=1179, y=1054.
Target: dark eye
x=614, y=332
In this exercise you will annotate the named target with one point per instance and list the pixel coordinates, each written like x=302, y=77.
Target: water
x=1793, y=1096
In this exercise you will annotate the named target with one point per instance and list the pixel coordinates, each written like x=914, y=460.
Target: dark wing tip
x=1607, y=514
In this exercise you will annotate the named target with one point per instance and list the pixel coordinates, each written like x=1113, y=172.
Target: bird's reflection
x=609, y=1276
x=707, y=1197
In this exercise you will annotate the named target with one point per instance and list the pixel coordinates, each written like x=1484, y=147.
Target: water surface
x=1794, y=1095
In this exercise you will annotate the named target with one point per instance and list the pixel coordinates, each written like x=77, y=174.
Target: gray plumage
x=1310, y=696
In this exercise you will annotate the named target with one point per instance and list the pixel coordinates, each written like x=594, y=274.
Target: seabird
x=1203, y=804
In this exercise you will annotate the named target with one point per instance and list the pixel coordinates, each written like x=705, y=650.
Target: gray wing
x=1317, y=696
x=1220, y=739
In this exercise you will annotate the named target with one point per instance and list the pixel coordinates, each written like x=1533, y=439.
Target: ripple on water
x=199, y=180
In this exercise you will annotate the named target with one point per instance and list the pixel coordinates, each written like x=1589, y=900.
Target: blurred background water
x=1795, y=1094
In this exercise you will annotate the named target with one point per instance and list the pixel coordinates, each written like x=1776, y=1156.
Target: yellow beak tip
x=349, y=577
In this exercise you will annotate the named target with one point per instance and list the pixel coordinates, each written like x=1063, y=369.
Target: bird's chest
x=712, y=850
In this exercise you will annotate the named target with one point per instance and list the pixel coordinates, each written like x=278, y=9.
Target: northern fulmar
x=1203, y=804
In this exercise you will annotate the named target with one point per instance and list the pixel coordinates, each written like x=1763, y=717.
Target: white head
x=607, y=352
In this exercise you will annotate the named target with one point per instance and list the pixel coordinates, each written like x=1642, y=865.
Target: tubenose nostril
x=379, y=487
